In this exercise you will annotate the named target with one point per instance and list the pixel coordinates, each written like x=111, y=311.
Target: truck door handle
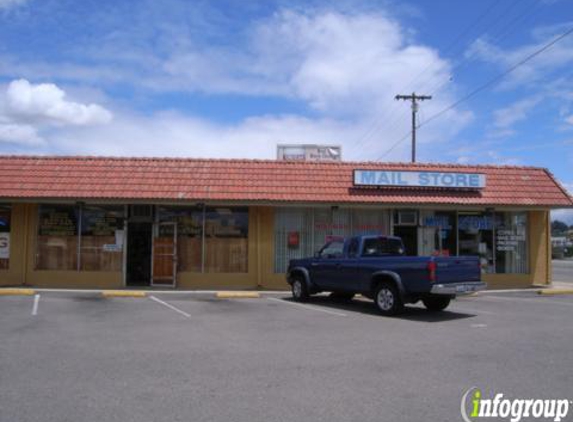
x=313, y=264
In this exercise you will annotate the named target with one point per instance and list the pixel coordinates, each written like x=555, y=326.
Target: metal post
x=413, y=98
x=203, y=242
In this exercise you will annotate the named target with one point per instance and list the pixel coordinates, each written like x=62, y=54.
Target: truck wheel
x=341, y=296
x=388, y=300
x=436, y=304
x=299, y=290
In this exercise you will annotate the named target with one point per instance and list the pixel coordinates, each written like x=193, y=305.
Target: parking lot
x=72, y=356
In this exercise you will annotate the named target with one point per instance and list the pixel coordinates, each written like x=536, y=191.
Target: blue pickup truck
x=376, y=267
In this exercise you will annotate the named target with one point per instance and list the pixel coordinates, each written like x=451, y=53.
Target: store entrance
x=409, y=235
x=138, y=263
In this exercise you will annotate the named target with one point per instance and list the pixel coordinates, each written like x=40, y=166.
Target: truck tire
x=299, y=289
x=436, y=304
x=387, y=299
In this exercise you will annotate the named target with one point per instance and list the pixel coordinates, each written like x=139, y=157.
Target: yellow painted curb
x=122, y=293
x=17, y=292
x=554, y=292
x=237, y=295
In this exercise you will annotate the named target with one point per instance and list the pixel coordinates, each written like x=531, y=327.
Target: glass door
x=164, y=260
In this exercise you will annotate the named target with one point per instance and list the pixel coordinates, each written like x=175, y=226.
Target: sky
x=232, y=79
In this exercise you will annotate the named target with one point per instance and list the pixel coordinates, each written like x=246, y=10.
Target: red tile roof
x=186, y=180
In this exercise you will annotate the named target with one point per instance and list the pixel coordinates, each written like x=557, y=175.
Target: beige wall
x=261, y=259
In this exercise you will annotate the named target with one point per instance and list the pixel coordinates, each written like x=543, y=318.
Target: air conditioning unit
x=406, y=218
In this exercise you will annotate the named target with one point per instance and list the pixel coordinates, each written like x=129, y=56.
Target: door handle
x=313, y=264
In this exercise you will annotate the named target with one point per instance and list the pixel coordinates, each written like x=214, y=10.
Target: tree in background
x=559, y=228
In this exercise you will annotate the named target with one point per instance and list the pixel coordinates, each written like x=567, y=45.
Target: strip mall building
x=88, y=222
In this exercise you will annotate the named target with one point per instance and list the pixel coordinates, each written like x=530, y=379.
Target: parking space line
x=173, y=308
x=36, y=303
x=312, y=308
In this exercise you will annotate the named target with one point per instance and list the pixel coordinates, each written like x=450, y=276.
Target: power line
x=497, y=38
x=389, y=150
x=484, y=86
x=395, y=120
x=376, y=124
x=496, y=79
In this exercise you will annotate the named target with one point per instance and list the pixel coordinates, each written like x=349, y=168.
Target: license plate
x=461, y=289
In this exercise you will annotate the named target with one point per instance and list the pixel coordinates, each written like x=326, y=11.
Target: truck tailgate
x=457, y=269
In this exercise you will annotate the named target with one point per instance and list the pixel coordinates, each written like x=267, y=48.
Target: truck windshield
x=332, y=249
x=381, y=246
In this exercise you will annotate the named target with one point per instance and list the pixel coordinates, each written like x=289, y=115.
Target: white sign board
x=4, y=245
x=424, y=179
x=110, y=247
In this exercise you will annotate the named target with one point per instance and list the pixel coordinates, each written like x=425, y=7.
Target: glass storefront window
x=511, y=243
x=226, y=240
x=189, y=235
x=439, y=233
x=5, y=216
x=102, y=235
x=372, y=221
x=300, y=232
x=57, y=243
x=476, y=238
x=293, y=235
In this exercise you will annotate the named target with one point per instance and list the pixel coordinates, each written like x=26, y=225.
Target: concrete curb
x=17, y=292
x=524, y=290
x=555, y=292
x=237, y=295
x=123, y=293
x=169, y=292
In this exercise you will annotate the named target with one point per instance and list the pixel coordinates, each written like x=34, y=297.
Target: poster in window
x=293, y=240
x=4, y=245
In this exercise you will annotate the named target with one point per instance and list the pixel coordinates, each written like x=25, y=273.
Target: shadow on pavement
x=411, y=313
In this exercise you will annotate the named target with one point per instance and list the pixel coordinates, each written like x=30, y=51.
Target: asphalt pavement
x=563, y=271
x=80, y=357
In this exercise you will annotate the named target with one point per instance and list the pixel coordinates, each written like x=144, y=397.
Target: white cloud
x=537, y=69
x=19, y=134
x=47, y=102
x=347, y=67
x=569, y=187
x=337, y=63
x=174, y=134
x=508, y=116
x=565, y=215
x=6, y=4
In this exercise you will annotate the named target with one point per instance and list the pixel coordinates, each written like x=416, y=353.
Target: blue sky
x=233, y=79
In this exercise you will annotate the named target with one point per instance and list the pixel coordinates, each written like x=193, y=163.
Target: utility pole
x=414, y=98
